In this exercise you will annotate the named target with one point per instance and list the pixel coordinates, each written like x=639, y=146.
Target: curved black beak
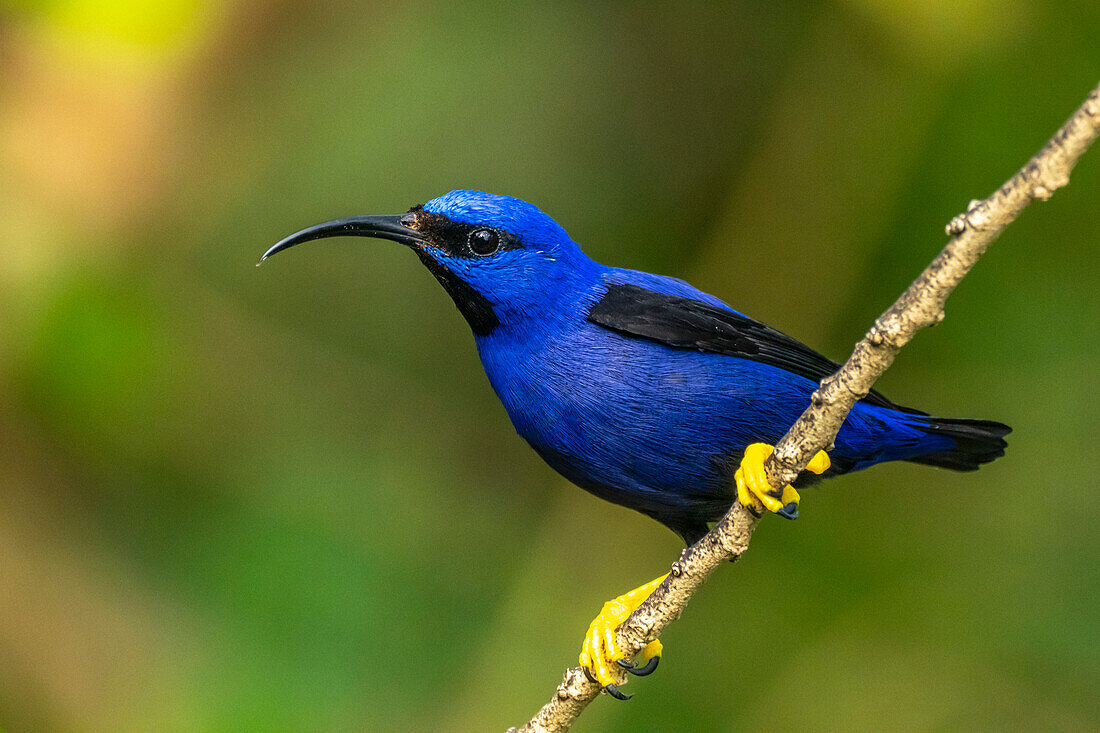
x=381, y=227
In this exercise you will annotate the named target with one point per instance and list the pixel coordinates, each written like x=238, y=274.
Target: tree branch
x=919, y=306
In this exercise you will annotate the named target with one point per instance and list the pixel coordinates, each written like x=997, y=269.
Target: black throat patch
x=474, y=307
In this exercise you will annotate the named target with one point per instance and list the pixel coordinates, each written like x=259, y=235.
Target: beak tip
x=272, y=250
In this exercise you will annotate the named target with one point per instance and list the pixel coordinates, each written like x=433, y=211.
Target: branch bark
x=921, y=305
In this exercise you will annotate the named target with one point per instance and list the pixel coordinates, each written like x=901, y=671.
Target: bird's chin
x=474, y=307
x=425, y=250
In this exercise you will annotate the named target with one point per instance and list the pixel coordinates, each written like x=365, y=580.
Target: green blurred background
x=287, y=499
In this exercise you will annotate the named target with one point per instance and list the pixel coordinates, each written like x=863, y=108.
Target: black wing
x=686, y=323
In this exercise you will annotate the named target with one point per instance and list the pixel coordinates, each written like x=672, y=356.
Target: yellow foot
x=756, y=494
x=601, y=650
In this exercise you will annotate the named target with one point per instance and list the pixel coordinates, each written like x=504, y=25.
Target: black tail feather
x=976, y=442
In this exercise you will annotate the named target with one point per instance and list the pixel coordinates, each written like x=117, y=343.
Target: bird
x=640, y=388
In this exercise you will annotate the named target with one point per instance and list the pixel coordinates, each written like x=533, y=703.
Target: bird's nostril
x=408, y=220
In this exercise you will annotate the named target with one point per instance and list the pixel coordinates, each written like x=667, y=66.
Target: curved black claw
x=625, y=664
x=616, y=693
x=752, y=511
x=588, y=674
x=649, y=668
x=789, y=511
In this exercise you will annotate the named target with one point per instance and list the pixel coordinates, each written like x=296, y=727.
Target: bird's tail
x=976, y=442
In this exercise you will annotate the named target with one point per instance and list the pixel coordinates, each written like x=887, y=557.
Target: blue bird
x=640, y=388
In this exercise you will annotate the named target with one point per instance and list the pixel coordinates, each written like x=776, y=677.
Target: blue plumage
x=637, y=387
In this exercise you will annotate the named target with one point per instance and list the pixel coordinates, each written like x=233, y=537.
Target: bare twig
x=919, y=306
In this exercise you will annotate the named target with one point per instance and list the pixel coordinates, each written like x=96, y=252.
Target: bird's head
x=499, y=258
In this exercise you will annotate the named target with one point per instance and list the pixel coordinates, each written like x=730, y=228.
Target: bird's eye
x=484, y=241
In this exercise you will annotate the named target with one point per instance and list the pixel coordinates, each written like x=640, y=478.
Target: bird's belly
x=645, y=422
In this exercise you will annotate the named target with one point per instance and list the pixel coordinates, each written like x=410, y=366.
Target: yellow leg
x=601, y=650
x=754, y=491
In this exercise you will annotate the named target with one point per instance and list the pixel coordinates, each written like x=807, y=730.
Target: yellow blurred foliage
x=115, y=29
x=939, y=34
